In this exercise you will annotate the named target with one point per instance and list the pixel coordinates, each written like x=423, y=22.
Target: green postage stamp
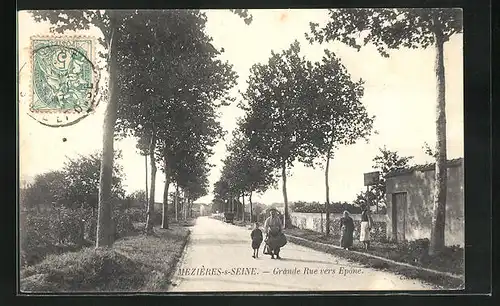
x=64, y=79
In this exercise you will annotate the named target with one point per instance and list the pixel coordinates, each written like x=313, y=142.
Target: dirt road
x=219, y=258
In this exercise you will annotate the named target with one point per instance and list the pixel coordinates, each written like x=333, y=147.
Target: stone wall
x=418, y=186
x=317, y=222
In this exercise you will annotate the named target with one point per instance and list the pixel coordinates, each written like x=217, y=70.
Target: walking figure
x=275, y=238
x=256, y=240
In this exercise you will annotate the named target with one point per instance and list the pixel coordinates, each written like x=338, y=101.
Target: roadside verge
x=443, y=280
x=139, y=263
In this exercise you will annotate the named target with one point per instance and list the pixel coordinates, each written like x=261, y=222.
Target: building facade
x=410, y=203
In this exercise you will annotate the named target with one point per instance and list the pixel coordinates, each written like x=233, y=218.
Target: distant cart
x=229, y=217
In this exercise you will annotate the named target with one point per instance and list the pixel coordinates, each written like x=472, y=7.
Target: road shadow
x=308, y=261
x=332, y=263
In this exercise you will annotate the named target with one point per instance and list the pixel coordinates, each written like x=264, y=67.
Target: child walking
x=256, y=240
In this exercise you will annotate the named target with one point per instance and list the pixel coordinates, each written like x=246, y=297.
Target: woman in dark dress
x=347, y=230
x=275, y=239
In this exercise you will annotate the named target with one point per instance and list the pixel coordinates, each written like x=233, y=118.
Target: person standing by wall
x=366, y=225
x=347, y=231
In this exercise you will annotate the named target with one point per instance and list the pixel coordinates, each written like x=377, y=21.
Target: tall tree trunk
x=146, y=168
x=164, y=215
x=240, y=207
x=327, y=190
x=288, y=221
x=251, y=207
x=243, y=207
x=103, y=237
x=151, y=202
x=237, y=215
x=181, y=199
x=185, y=205
x=176, y=201
x=439, y=210
x=93, y=226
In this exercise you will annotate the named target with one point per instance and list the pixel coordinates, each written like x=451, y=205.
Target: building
x=410, y=203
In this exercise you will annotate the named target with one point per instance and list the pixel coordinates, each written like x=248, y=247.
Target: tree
x=74, y=186
x=337, y=116
x=249, y=173
x=145, y=65
x=110, y=23
x=410, y=28
x=173, y=89
x=46, y=189
x=82, y=176
x=192, y=178
x=204, y=85
x=221, y=193
x=143, y=148
x=366, y=198
x=139, y=198
x=243, y=13
x=386, y=162
x=275, y=121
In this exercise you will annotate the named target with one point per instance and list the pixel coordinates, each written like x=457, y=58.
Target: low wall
x=414, y=218
x=317, y=222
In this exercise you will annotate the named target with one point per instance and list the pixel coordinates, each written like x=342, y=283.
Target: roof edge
x=451, y=163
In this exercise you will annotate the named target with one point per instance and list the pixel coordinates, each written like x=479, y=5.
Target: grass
x=134, y=263
x=38, y=253
x=400, y=253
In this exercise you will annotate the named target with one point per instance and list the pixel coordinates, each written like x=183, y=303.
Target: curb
x=447, y=274
x=170, y=277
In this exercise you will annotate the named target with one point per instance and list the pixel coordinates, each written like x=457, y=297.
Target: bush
x=62, y=229
x=335, y=208
x=140, y=215
x=60, y=225
x=48, y=232
x=87, y=270
x=136, y=214
x=68, y=225
x=377, y=233
x=156, y=219
x=123, y=223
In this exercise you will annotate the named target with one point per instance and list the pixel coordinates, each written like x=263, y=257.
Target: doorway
x=399, y=208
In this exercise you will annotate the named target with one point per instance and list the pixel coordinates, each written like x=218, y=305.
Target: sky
x=400, y=91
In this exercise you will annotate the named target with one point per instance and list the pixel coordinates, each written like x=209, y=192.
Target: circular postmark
x=65, y=81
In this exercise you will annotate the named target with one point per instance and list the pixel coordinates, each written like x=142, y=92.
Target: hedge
x=378, y=231
x=334, y=208
x=64, y=229
x=315, y=207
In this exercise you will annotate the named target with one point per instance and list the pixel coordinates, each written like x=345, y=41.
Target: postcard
x=235, y=150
